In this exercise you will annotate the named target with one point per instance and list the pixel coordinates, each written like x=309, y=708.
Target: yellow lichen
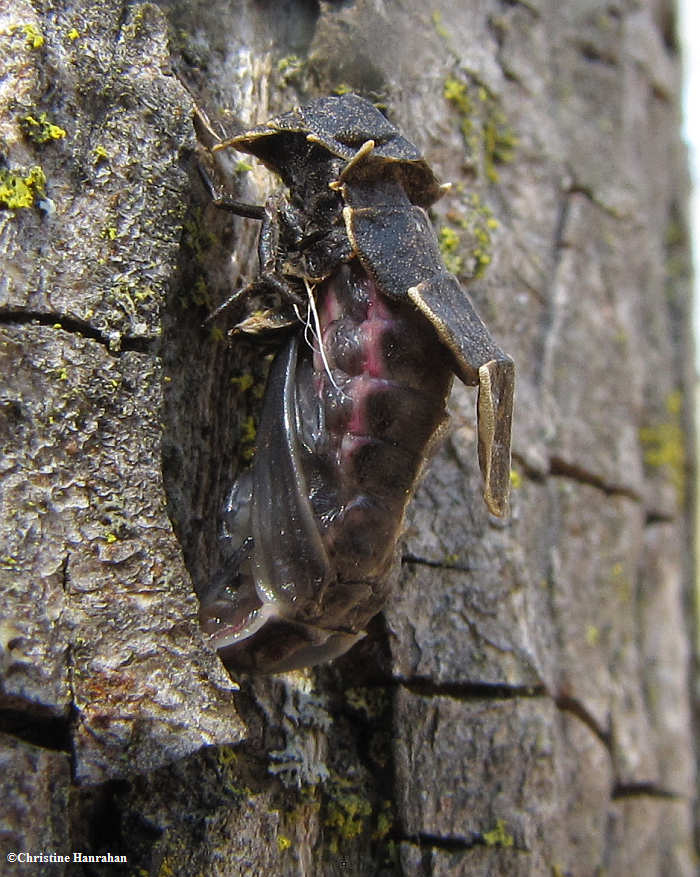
x=498, y=836
x=248, y=429
x=385, y=821
x=283, y=842
x=482, y=122
x=289, y=66
x=35, y=38
x=440, y=28
x=348, y=814
x=456, y=92
x=664, y=444
x=243, y=382
x=41, y=130
x=592, y=635
x=449, y=247
x=21, y=190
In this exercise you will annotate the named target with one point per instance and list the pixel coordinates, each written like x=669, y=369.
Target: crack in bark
x=643, y=790
x=590, y=52
x=448, y=843
x=45, y=731
x=586, y=191
x=654, y=516
x=115, y=343
x=571, y=705
x=425, y=687
x=562, y=468
x=436, y=564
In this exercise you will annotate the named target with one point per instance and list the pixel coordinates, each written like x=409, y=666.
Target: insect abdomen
x=382, y=391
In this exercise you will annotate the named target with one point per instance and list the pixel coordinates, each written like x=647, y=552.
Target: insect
x=349, y=420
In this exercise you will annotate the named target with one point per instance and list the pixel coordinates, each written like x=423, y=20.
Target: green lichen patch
x=438, y=24
x=663, y=444
x=450, y=245
x=20, y=189
x=465, y=241
x=488, y=138
x=385, y=820
x=354, y=817
x=373, y=702
x=289, y=67
x=346, y=812
x=40, y=130
x=498, y=836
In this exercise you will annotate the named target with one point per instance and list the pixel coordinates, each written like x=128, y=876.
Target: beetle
x=347, y=423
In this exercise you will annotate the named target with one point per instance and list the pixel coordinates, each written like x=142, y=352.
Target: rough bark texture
x=524, y=704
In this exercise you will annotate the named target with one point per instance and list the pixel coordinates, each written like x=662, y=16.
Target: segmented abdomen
x=381, y=393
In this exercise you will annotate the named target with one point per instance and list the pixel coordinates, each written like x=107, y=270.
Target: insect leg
x=225, y=202
x=479, y=361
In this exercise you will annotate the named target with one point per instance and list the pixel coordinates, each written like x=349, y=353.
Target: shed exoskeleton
x=347, y=426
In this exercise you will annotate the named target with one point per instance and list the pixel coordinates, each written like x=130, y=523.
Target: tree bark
x=523, y=705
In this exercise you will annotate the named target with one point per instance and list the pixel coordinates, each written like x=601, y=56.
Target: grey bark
x=524, y=704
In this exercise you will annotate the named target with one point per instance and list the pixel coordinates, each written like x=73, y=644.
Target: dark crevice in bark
x=425, y=687
x=594, y=54
x=446, y=844
x=529, y=7
x=654, y=516
x=575, y=707
x=577, y=188
x=643, y=790
x=534, y=473
x=74, y=712
x=562, y=468
x=114, y=345
x=436, y=564
x=45, y=731
x=65, y=581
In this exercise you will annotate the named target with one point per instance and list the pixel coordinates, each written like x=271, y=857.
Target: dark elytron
x=347, y=423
